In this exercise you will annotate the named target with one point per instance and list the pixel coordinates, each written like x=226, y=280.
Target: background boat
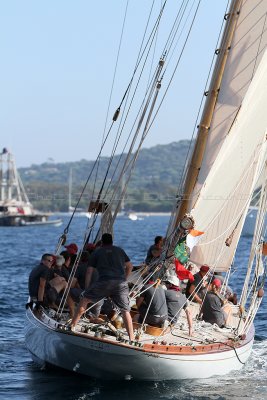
x=15, y=207
x=127, y=215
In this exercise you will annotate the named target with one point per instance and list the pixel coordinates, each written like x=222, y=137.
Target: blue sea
x=21, y=379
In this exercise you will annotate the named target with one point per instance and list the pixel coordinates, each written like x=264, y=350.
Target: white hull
x=127, y=215
x=112, y=360
x=54, y=222
x=28, y=220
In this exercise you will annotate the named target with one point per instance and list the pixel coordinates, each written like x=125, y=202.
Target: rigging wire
x=157, y=22
x=107, y=135
x=123, y=123
x=176, y=66
x=200, y=108
x=140, y=56
x=112, y=85
x=144, y=135
x=154, y=51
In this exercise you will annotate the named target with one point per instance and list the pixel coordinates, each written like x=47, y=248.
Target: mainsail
x=234, y=150
x=224, y=198
x=247, y=48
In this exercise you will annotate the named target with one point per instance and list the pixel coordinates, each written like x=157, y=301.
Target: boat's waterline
x=105, y=359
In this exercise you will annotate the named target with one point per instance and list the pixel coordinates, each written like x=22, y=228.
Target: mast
x=70, y=187
x=11, y=186
x=2, y=188
x=207, y=115
x=16, y=182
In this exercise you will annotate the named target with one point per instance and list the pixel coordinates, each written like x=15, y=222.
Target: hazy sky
x=57, y=65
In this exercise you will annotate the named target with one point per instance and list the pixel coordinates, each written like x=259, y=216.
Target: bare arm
x=41, y=289
x=128, y=269
x=74, y=283
x=189, y=321
x=88, y=277
x=195, y=295
x=139, y=301
x=156, y=252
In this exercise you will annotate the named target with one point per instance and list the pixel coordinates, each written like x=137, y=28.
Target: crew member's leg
x=127, y=319
x=82, y=306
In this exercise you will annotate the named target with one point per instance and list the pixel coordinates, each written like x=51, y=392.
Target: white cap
x=60, y=261
x=171, y=277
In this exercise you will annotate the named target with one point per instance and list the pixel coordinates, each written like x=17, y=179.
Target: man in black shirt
x=212, y=305
x=176, y=301
x=155, y=250
x=113, y=267
x=152, y=305
x=196, y=290
x=39, y=277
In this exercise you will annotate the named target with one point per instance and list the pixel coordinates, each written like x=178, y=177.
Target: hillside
x=153, y=185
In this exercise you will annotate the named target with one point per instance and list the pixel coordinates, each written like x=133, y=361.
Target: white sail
x=224, y=198
x=247, y=48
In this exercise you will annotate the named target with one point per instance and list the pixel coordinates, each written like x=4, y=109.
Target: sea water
x=21, y=379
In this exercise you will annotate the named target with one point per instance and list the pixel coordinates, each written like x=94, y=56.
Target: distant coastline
x=139, y=214
x=152, y=189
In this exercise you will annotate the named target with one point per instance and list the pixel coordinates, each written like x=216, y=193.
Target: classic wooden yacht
x=228, y=156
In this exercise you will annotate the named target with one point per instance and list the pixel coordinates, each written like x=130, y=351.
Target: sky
x=57, y=67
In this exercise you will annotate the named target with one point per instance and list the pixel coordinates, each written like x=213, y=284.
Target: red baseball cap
x=204, y=268
x=72, y=248
x=90, y=246
x=216, y=282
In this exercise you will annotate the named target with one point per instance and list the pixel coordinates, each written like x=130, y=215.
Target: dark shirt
x=199, y=289
x=176, y=301
x=212, y=309
x=149, y=256
x=65, y=272
x=158, y=305
x=80, y=274
x=58, y=271
x=40, y=271
x=109, y=262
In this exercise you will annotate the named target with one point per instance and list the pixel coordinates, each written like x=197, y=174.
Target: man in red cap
x=90, y=247
x=212, y=305
x=72, y=248
x=196, y=290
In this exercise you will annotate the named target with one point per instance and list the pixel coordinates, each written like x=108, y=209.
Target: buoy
x=260, y=292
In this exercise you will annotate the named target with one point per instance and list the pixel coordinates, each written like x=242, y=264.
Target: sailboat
x=228, y=157
x=15, y=207
x=123, y=214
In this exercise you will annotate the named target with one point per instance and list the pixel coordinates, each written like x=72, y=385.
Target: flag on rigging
x=192, y=238
x=181, y=272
